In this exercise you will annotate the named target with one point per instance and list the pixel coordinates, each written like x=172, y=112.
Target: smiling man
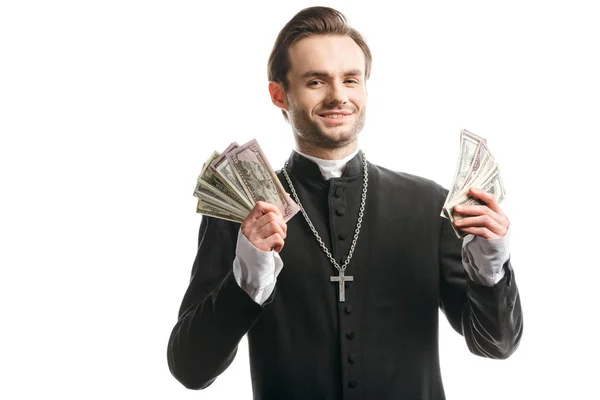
x=342, y=301
x=324, y=94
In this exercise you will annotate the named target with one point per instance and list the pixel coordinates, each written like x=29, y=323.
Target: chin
x=341, y=133
x=333, y=141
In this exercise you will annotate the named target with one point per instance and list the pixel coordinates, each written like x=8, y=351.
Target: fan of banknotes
x=233, y=181
x=476, y=168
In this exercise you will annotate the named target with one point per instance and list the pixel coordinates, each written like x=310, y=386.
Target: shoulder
x=406, y=182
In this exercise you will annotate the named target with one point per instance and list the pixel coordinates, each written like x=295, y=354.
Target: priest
x=342, y=301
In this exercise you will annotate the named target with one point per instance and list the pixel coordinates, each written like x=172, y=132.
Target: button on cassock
x=351, y=334
x=353, y=383
x=342, y=236
x=348, y=309
x=352, y=358
x=339, y=192
x=340, y=211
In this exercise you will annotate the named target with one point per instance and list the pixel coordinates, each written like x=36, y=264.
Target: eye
x=352, y=81
x=314, y=83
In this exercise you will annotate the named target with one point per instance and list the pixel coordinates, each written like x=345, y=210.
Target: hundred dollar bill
x=480, y=160
x=216, y=212
x=208, y=179
x=221, y=168
x=237, y=214
x=203, y=193
x=215, y=197
x=258, y=179
x=232, y=146
x=486, y=170
x=469, y=145
x=493, y=185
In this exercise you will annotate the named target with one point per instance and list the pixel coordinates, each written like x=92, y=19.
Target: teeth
x=333, y=116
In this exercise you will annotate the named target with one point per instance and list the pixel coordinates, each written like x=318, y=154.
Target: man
x=342, y=302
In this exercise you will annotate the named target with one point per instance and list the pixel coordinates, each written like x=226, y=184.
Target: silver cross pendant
x=342, y=279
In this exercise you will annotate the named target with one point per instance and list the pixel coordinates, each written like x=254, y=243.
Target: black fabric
x=382, y=342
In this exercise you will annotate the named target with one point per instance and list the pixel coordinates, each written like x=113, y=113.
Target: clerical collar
x=330, y=168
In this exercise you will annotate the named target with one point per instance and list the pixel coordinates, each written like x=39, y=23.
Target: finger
x=274, y=242
x=478, y=210
x=270, y=217
x=487, y=198
x=480, y=231
x=251, y=228
x=485, y=221
x=269, y=207
x=248, y=226
x=261, y=208
x=269, y=229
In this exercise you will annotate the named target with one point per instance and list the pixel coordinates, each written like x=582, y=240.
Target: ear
x=278, y=95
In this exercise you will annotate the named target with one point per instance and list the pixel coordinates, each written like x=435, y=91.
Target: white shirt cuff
x=255, y=271
x=484, y=259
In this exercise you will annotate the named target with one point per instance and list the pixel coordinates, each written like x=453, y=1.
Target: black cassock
x=382, y=341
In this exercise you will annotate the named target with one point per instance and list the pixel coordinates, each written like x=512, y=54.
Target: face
x=326, y=97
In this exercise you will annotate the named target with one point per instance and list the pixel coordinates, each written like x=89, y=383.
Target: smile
x=334, y=119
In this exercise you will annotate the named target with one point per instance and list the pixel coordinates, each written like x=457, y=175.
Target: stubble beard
x=308, y=131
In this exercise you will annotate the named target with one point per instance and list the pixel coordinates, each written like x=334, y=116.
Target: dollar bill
x=221, y=168
x=469, y=148
x=216, y=199
x=258, y=179
x=219, y=159
x=210, y=180
x=216, y=212
x=494, y=185
x=214, y=196
x=480, y=160
x=476, y=168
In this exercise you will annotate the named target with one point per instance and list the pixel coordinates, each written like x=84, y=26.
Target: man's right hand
x=264, y=227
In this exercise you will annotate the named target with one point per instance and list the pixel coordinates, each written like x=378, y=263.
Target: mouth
x=334, y=114
x=334, y=117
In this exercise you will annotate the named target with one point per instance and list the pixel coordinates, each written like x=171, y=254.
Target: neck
x=330, y=168
x=337, y=153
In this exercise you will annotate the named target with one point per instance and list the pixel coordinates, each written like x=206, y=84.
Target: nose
x=337, y=94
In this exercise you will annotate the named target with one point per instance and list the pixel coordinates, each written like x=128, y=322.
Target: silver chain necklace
x=341, y=278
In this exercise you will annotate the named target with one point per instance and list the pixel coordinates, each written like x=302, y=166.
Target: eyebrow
x=321, y=74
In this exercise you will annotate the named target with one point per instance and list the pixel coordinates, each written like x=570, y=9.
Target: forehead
x=331, y=54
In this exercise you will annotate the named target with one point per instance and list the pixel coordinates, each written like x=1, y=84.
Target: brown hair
x=308, y=22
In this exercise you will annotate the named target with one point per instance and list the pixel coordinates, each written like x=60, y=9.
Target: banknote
x=231, y=182
x=214, y=211
x=212, y=182
x=494, y=185
x=482, y=156
x=202, y=192
x=221, y=168
x=469, y=149
x=216, y=197
x=476, y=168
x=258, y=178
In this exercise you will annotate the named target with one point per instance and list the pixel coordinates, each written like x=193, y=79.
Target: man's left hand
x=486, y=220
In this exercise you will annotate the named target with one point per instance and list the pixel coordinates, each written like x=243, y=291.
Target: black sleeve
x=215, y=313
x=489, y=318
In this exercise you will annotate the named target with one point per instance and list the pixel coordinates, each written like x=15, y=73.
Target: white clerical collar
x=330, y=168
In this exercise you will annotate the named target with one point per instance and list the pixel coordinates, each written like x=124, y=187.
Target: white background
x=109, y=108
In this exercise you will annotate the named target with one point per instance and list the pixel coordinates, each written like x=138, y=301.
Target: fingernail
x=458, y=208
